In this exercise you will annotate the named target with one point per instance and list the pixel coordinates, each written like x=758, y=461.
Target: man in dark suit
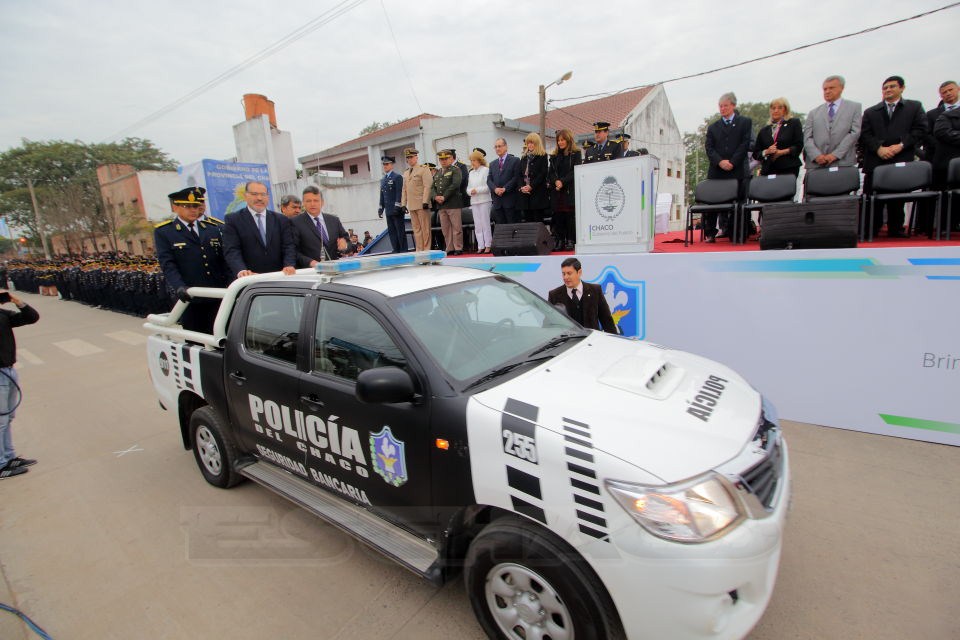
x=891, y=132
x=464, y=178
x=318, y=236
x=190, y=252
x=503, y=180
x=727, y=144
x=584, y=302
x=949, y=94
x=391, y=188
x=256, y=240
x=604, y=149
x=624, y=141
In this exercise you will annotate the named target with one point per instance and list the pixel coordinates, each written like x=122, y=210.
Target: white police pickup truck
x=586, y=485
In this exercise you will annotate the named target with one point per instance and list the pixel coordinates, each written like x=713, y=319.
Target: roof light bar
x=386, y=261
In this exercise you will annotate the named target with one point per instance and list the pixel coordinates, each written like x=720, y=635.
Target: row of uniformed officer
x=190, y=252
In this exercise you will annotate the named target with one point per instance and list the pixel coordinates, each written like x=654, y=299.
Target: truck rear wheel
x=524, y=584
x=213, y=448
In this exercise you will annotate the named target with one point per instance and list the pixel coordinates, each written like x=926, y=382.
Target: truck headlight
x=693, y=511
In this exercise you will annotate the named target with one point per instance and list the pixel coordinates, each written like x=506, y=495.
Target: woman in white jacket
x=480, y=201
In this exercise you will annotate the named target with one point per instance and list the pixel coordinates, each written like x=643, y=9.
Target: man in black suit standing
x=318, y=236
x=949, y=94
x=256, y=240
x=504, y=180
x=890, y=133
x=604, y=149
x=727, y=145
x=583, y=301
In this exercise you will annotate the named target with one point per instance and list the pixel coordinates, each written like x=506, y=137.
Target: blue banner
x=225, y=182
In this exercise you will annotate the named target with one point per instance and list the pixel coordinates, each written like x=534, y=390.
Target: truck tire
x=524, y=583
x=214, y=448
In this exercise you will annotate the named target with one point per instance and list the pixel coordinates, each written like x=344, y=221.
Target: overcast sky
x=88, y=70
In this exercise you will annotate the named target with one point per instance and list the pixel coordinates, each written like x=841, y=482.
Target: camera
x=4, y=297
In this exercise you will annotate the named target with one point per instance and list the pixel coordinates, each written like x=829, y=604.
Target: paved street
x=114, y=534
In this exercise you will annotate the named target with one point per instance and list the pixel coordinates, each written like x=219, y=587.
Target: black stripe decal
x=188, y=373
x=530, y=510
x=597, y=520
x=594, y=533
x=573, y=453
x=574, y=422
x=577, y=432
x=585, y=486
x=189, y=385
x=587, y=502
x=522, y=409
x=575, y=468
x=582, y=443
x=524, y=422
x=525, y=482
x=186, y=354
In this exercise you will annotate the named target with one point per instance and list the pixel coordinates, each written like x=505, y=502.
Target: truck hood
x=671, y=413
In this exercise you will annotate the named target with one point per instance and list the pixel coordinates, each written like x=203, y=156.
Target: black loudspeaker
x=523, y=239
x=810, y=225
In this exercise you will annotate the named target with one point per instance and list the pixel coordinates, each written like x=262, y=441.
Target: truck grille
x=763, y=478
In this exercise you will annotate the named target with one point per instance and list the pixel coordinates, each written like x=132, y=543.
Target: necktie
x=832, y=111
x=573, y=294
x=193, y=230
x=322, y=228
x=263, y=230
x=501, y=163
x=890, y=108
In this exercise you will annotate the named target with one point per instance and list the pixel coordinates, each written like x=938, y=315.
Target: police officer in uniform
x=190, y=253
x=445, y=193
x=391, y=188
x=604, y=149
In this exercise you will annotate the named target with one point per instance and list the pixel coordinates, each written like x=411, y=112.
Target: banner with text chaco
x=224, y=182
x=616, y=205
x=863, y=339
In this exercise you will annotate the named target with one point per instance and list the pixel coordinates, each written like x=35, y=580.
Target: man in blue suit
x=256, y=240
x=503, y=180
x=391, y=187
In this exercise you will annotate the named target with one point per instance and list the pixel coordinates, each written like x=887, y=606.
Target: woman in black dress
x=779, y=143
x=562, y=195
x=534, y=201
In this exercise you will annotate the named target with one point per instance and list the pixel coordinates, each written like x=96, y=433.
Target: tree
x=697, y=162
x=64, y=179
x=376, y=126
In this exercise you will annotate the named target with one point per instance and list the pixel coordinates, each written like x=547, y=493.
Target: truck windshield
x=475, y=327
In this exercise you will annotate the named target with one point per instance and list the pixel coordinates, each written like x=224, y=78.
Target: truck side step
x=414, y=553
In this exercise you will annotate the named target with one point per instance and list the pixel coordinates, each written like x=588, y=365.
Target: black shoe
x=710, y=240
x=723, y=234
x=20, y=462
x=9, y=472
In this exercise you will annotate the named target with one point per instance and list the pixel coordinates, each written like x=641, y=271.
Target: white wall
x=257, y=142
x=155, y=186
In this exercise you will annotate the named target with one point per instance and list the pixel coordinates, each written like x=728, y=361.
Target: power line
x=297, y=34
x=766, y=57
x=403, y=65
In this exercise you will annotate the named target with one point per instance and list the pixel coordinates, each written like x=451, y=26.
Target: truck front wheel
x=213, y=448
x=525, y=584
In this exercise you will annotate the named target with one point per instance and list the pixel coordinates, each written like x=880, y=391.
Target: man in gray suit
x=831, y=130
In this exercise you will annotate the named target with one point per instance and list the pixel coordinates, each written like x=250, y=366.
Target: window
x=349, y=340
x=273, y=326
x=669, y=172
x=678, y=173
x=354, y=169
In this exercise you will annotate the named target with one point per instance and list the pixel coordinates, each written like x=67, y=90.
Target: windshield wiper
x=507, y=368
x=556, y=342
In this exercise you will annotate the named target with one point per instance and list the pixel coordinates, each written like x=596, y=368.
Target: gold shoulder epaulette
x=213, y=220
x=157, y=226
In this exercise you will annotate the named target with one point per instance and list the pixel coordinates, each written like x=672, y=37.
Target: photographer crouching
x=10, y=463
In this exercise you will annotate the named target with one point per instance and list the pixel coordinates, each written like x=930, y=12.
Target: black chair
x=764, y=190
x=901, y=182
x=953, y=188
x=466, y=222
x=710, y=196
x=831, y=184
x=436, y=233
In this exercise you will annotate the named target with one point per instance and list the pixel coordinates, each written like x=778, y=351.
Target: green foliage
x=376, y=126
x=64, y=177
x=697, y=162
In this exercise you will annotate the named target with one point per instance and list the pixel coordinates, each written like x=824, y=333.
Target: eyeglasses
x=257, y=194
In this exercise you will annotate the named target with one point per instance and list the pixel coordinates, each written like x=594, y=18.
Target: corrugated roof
x=409, y=123
x=580, y=117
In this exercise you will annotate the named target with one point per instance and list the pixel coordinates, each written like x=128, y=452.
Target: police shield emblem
x=627, y=301
x=389, y=459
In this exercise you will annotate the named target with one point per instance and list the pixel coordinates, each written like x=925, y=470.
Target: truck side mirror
x=385, y=385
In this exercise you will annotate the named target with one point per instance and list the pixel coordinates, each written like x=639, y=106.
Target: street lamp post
x=543, y=101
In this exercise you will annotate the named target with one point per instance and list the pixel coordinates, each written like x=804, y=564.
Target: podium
x=616, y=205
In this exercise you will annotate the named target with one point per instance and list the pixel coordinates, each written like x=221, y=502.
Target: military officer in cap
x=604, y=149
x=391, y=187
x=190, y=252
x=445, y=192
x=415, y=197
x=624, y=141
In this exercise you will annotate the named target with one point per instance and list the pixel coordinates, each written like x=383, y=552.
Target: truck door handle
x=238, y=377
x=312, y=401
